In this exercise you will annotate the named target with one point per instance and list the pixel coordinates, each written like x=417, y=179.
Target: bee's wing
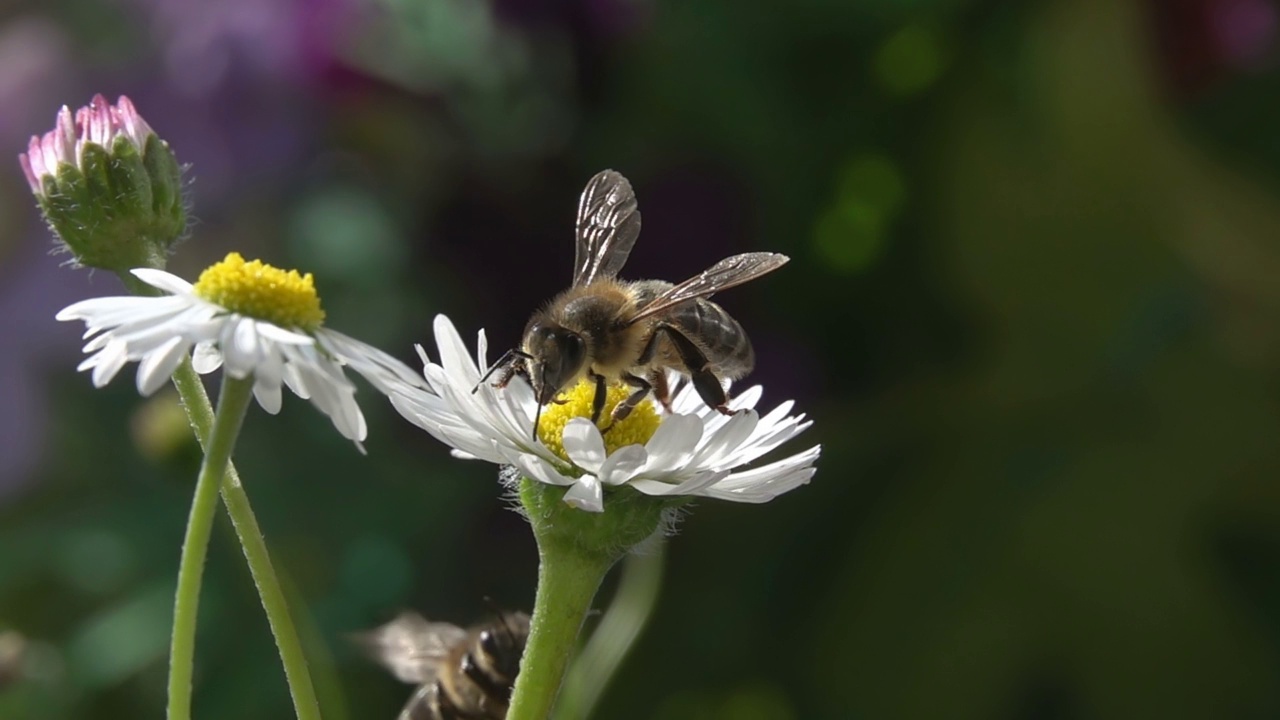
x=607, y=227
x=423, y=704
x=733, y=270
x=411, y=647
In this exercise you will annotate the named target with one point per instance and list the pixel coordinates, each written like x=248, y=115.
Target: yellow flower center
x=258, y=290
x=635, y=429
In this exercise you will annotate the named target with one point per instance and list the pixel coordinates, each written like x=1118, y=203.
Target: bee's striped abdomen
x=721, y=338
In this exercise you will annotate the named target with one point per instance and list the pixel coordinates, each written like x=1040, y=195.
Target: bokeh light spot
x=159, y=427
x=122, y=640
x=910, y=60
x=757, y=703
x=849, y=236
x=94, y=561
x=852, y=232
x=377, y=570
x=347, y=233
x=874, y=179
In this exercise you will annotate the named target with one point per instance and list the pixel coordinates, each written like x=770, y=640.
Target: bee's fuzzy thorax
x=598, y=313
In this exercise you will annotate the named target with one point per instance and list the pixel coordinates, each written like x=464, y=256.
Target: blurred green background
x=1033, y=307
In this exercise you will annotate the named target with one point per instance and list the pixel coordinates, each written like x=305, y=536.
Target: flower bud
x=108, y=186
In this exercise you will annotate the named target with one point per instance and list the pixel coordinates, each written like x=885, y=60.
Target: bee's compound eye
x=575, y=351
x=543, y=334
x=487, y=642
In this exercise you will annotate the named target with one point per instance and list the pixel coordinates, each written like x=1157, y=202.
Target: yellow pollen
x=635, y=429
x=258, y=290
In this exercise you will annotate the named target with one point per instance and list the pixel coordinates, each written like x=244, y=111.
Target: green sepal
x=95, y=163
x=629, y=518
x=166, y=187
x=66, y=205
x=130, y=178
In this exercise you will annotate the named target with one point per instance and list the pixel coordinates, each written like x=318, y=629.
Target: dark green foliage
x=1033, y=308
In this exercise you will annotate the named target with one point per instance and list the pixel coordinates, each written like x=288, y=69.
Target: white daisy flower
x=693, y=450
x=249, y=318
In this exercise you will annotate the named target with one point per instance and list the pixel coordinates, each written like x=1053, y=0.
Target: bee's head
x=556, y=357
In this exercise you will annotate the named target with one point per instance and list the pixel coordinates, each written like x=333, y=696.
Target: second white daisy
x=251, y=319
x=694, y=450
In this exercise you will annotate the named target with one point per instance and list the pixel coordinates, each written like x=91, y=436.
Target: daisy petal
x=268, y=395
x=109, y=361
x=453, y=354
x=692, y=486
x=583, y=444
x=162, y=280
x=158, y=366
x=586, y=494
x=539, y=470
x=622, y=465
x=673, y=444
x=206, y=358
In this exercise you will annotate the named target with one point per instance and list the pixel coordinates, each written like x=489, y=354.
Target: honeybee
x=462, y=673
x=610, y=330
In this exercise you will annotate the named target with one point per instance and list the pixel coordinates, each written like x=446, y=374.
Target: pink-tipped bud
x=109, y=187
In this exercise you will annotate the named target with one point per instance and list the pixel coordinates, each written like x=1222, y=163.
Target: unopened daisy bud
x=108, y=186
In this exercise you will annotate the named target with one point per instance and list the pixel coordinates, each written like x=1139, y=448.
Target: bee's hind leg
x=661, y=391
x=699, y=369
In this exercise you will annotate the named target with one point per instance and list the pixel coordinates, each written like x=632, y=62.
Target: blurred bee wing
x=607, y=227
x=411, y=647
x=422, y=705
x=731, y=271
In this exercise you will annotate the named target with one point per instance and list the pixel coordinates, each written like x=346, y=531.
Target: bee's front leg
x=597, y=401
x=511, y=363
x=624, y=408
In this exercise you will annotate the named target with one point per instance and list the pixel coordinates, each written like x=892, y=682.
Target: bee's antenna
x=493, y=606
x=506, y=627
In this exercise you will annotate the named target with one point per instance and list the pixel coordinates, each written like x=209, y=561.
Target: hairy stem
x=608, y=646
x=297, y=674
x=567, y=582
x=232, y=404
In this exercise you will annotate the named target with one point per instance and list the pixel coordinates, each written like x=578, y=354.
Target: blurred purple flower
x=35, y=287
x=242, y=82
x=1203, y=41
x=1244, y=30
x=291, y=41
x=33, y=64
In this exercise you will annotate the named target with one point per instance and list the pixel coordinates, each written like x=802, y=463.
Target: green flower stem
x=232, y=404
x=621, y=625
x=567, y=582
x=301, y=689
x=200, y=413
x=576, y=548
